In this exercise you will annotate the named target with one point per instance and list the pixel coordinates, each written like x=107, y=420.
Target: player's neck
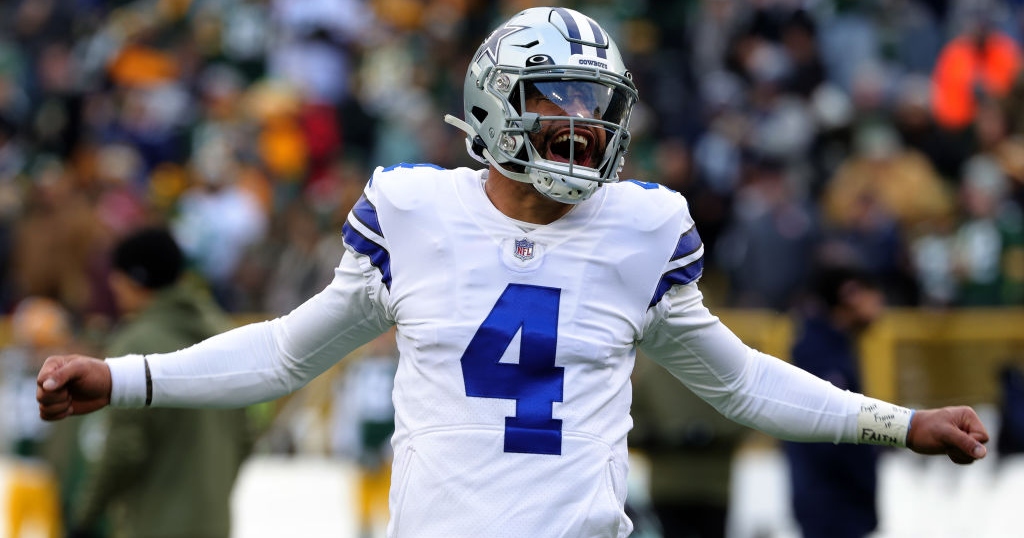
x=521, y=201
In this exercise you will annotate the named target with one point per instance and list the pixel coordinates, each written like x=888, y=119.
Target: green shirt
x=167, y=472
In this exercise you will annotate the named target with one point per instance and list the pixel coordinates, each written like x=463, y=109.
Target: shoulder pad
x=406, y=186
x=649, y=205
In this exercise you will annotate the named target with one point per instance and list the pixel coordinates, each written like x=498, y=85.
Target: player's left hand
x=954, y=431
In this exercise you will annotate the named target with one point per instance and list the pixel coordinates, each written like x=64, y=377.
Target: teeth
x=579, y=139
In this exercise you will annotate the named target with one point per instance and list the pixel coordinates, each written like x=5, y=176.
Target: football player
x=521, y=293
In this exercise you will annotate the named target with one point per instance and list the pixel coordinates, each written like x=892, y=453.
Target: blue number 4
x=535, y=382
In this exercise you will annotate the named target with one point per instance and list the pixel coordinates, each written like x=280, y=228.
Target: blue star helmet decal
x=490, y=46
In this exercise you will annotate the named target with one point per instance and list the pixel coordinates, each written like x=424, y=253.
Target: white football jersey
x=513, y=390
x=516, y=345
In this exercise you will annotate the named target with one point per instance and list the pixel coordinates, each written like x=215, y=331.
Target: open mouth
x=572, y=145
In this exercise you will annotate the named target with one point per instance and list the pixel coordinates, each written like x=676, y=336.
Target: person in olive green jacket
x=163, y=473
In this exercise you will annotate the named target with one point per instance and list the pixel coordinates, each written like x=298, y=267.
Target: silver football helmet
x=547, y=101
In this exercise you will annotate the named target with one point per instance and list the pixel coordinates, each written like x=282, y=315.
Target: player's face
x=562, y=140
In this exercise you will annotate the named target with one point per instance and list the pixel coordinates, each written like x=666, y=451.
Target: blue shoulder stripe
x=687, y=264
x=367, y=214
x=688, y=243
x=412, y=165
x=379, y=256
x=683, y=275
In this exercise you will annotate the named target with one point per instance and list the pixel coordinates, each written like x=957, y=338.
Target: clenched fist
x=72, y=385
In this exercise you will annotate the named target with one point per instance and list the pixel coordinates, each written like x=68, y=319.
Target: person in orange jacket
x=981, y=63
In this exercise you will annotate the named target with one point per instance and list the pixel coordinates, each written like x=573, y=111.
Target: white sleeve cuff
x=127, y=381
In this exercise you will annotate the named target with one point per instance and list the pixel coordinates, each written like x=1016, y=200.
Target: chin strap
x=471, y=134
x=461, y=125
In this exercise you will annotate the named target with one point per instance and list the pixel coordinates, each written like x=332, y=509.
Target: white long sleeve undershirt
x=748, y=386
x=260, y=361
x=263, y=361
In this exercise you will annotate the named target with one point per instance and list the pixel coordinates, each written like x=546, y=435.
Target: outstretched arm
x=782, y=400
x=253, y=363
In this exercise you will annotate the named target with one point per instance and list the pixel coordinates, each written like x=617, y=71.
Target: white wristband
x=883, y=423
x=128, y=381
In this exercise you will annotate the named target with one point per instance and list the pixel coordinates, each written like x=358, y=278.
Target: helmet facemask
x=565, y=130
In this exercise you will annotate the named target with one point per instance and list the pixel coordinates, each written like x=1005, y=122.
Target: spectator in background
x=872, y=238
x=46, y=458
x=317, y=54
x=717, y=152
x=997, y=138
x=799, y=36
x=690, y=447
x=834, y=486
x=59, y=240
x=916, y=30
x=711, y=27
x=317, y=43
x=168, y=473
x=768, y=246
x=849, y=41
x=912, y=117
x=780, y=122
x=1011, y=411
x=218, y=220
x=834, y=114
x=989, y=247
x=11, y=161
x=905, y=183
x=299, y=270
x=39, y=326
x=931, y=257
x=981, y=63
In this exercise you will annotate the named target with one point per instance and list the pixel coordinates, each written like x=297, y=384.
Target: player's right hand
x=72, y=385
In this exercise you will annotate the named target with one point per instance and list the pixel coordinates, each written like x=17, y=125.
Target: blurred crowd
x=888, y=134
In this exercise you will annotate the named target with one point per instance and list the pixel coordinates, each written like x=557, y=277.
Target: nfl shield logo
x=524, y=249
